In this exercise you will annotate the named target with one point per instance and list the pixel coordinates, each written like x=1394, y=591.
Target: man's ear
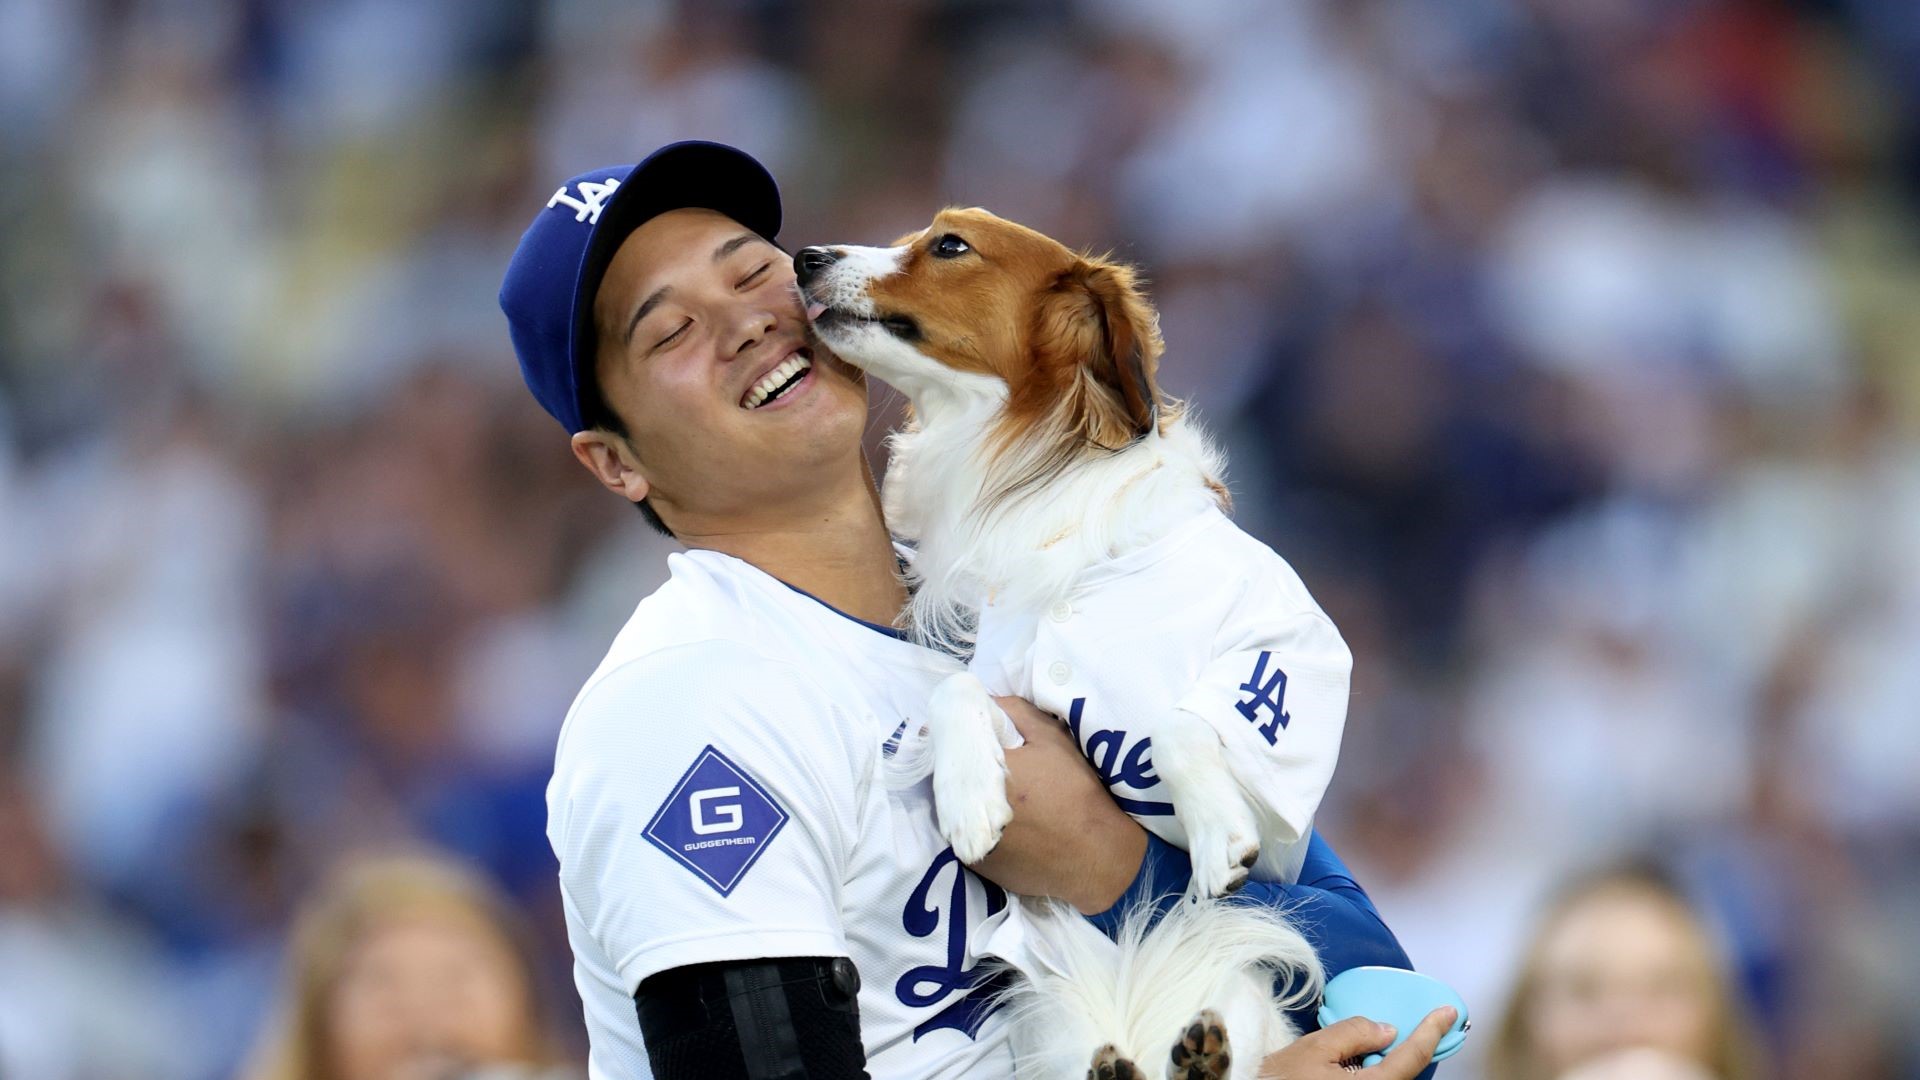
x=1118, y=339
x=612, y=461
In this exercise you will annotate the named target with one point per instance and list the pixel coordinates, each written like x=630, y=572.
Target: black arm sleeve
x=787, y=1019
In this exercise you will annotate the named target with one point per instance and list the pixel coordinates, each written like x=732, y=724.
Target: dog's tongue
x=814, y=308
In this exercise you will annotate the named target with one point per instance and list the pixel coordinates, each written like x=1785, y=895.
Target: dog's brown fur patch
x=1071, y=335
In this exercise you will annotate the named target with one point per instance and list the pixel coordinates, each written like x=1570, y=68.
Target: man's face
x=734, y=414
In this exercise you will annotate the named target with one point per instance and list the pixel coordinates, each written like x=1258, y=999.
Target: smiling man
x=744, y=896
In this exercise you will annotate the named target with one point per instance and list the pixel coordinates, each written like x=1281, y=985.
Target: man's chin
x=837, y=367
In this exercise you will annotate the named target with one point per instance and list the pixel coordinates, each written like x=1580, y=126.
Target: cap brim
x=705, y=175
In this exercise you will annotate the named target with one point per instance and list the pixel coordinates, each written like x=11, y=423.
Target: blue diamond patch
x=717, y=821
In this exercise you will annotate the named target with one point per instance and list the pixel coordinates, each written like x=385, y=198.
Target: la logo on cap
x=593, y=199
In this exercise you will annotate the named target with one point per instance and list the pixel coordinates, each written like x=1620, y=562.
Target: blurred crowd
x=1570, y=349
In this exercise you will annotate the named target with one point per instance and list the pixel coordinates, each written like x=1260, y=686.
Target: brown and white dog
x=1024, y=367
x=1041, y=448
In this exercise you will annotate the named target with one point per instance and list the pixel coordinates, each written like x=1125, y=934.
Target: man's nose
x=808, y=263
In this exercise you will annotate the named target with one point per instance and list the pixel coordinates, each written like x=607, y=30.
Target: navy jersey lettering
x=928, y=984
x=1116, y=763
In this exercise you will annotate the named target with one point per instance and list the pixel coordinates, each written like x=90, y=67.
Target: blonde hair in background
x=362, y=895
x=1514, y=1055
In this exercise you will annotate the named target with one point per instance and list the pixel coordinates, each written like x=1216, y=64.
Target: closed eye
x=755, y=276
x=670, y=338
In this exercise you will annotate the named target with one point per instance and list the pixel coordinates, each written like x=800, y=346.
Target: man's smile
x=781, y=380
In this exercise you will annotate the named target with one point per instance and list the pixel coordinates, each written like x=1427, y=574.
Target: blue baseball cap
x=550, y=285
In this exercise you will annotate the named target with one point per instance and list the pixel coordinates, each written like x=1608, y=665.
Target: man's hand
x=1067, y=839
x=1321, y=1055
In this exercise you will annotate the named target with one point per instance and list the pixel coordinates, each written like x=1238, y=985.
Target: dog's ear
x=1099, y=321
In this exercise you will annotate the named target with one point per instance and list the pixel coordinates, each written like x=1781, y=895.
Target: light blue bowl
x=1393, y=996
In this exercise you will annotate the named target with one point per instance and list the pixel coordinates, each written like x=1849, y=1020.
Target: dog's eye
x=950, y=247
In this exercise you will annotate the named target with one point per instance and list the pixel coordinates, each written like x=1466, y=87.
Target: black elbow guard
x=786, y=1019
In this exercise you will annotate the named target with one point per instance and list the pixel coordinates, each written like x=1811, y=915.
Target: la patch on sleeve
x=717, y=821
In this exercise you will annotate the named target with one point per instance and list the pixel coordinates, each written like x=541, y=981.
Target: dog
x=1069, y=534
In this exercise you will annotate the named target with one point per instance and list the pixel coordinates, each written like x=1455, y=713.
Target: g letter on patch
x=717, y=821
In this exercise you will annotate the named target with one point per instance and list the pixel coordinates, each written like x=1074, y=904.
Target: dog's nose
x=811, y=260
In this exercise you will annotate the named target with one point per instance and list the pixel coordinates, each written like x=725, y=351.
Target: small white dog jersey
x=717, y=795
x=1206, y=619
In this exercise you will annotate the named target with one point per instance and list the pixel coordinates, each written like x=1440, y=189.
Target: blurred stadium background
x=1569, y=348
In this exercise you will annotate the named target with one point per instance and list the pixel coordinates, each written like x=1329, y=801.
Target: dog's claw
x=974, y=829
x=1214, y=875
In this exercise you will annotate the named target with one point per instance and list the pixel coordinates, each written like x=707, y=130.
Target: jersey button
x=1061, y=611
x=1060, y=672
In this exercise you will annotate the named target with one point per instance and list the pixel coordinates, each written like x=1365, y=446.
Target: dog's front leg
x=1223, y=836
x=969, y=736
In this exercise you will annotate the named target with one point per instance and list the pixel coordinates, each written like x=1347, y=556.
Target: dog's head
x=978, y=306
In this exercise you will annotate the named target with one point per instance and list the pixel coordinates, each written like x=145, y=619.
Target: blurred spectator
x=1622, y=979
x=86, y=994
x=407, y=968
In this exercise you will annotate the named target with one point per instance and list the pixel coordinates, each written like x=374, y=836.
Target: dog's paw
x=1223, y=836
x=972, y=809
x=1109, y=1065
x=969, y=768
x=1202, y=1052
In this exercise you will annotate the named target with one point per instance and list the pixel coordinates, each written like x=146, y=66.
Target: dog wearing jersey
x=1070, y=534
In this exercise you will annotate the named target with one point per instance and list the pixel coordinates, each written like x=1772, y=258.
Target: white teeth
x=771, y=381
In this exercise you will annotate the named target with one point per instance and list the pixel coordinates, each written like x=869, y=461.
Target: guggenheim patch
x=717, y=821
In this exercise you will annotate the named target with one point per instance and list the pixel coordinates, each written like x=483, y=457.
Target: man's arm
x=701, y=835
x=1329, y=907
x=788, y=1019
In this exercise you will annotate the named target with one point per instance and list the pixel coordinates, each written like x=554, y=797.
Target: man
x=744, y=896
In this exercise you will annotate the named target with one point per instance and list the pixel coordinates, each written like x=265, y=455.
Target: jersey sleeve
x=1277, y=696
x=704, y=806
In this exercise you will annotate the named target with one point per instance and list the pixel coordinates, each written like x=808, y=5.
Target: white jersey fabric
x=1206, y=619
x=716, y=796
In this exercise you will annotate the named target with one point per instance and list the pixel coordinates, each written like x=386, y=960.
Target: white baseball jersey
x=1206, y=619
x=716, y=796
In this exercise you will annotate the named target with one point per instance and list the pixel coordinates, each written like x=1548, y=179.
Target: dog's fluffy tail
x=1084, y=991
